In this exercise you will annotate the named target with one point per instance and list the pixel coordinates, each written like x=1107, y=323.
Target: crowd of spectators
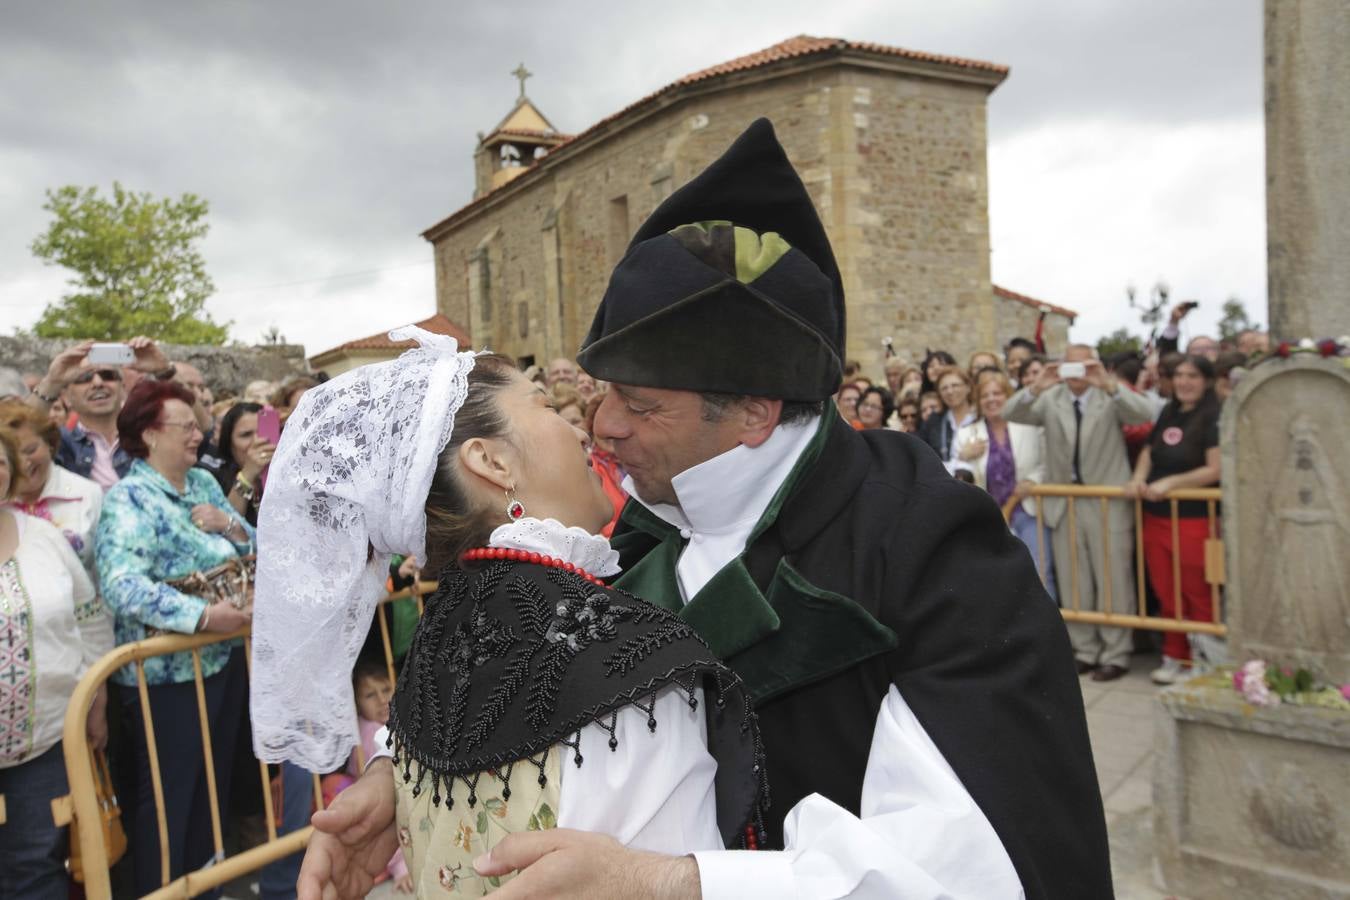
x=118, y=482
x=120, y=485
x=1143, y=422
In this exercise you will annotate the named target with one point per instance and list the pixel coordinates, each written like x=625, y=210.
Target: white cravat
x=721, y=500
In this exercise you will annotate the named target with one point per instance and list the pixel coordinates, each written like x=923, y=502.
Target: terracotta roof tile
x=437, y=324
x=792, y=48
x=1033, y=302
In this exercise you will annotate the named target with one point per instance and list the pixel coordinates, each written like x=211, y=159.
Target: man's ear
x=759, y=417
x=486, y=461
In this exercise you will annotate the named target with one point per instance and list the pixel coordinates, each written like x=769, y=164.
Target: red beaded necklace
x=538, y=559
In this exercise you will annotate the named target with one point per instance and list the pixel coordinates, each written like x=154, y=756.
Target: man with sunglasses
x=95, y=394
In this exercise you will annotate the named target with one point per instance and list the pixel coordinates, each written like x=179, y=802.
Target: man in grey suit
x=1082, y=414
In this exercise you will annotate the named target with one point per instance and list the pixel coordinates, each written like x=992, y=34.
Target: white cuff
x=381, y=746
x=744, y=874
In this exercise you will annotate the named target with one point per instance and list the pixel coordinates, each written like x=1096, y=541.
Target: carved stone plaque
x=1286, y=457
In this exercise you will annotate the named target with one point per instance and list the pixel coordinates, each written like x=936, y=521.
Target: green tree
x=1118, y=341
x=135, y=263
x=1234, y=320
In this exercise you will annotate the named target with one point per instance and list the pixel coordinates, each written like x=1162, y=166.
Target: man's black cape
x=880, y=569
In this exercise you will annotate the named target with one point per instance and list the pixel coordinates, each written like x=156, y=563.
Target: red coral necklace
x=526, y=556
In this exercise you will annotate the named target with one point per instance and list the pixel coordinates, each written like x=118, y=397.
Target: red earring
x=514, y=508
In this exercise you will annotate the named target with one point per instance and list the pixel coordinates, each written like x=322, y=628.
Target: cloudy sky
x=1126, y=146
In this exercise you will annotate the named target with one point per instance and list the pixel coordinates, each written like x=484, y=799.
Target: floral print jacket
x=146, y=537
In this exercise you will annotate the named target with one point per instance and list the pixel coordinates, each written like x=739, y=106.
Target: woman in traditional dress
x=533, y=696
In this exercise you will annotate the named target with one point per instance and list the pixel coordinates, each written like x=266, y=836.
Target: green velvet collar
x=742, y=623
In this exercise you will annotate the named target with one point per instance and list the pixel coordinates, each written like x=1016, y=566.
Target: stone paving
x=1120, y=724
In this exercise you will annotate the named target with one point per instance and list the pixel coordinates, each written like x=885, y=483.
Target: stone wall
x=894, y=162
x=222, y=367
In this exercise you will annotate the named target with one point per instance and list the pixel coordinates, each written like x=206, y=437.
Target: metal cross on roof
x=521, y=73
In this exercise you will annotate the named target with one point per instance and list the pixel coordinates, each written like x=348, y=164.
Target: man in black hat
x=922, y=722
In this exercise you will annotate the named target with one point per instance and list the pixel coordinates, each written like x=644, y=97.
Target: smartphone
x=1190, y=305
x=110, y=355
x=269, y=425
x=1066, y=370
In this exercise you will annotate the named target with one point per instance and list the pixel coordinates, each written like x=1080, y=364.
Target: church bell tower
x=519, y=140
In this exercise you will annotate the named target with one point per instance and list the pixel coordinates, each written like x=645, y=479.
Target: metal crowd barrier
x=1138, y=617
x=80, y=808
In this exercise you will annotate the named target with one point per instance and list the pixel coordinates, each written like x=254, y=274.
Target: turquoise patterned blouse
x=145, y=537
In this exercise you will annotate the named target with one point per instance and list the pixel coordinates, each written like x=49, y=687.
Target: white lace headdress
x=351, y=473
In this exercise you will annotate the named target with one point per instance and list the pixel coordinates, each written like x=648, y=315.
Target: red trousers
x=1196, y=601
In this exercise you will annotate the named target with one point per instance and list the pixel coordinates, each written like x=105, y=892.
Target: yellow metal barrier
x=80, y=808
x=1139, y=618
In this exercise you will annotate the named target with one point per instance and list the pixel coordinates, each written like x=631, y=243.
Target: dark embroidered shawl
x=512, y=658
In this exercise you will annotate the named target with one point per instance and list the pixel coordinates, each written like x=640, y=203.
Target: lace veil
x=351, y=473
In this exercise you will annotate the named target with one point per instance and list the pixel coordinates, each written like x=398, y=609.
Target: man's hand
x=64, y=367
x=353, y=839
x=561, y=863
x=1097, y=376
x=149, y=358
x=1048, y=378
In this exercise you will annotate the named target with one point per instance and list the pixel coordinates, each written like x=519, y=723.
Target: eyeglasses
x=185, y=427
x=909, y=415
x=88, y=376
x=875, y=406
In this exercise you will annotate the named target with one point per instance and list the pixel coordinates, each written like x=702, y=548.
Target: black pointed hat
x=730, y=286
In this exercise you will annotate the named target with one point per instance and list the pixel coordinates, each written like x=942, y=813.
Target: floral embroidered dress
x=146, y=537
x=533, y=699
x=52, y=628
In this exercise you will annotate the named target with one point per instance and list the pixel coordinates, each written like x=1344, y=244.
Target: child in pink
x=373, y=689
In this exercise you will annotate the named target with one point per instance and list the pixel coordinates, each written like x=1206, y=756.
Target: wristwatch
x=244, y=488
x=165, y=374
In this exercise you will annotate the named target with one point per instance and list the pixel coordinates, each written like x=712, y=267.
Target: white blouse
x=52, y=627
x=72, y=503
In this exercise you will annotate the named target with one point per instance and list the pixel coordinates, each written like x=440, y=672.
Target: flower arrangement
x=1261, y=684
x=1326, y=348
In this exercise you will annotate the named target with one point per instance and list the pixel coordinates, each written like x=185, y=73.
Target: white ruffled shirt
x=920, y=836
x=655, y=790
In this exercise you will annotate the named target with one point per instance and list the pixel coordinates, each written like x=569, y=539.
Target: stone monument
x=1307, y=167
x=1254, y=802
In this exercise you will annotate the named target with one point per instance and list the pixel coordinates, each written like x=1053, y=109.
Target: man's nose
x=608, y=423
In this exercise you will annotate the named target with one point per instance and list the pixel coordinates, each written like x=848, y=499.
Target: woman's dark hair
x=453, y=525
x=1206, y=370
x=142, y=409
x=887, y=404
x=228, y=423
x=941, y=356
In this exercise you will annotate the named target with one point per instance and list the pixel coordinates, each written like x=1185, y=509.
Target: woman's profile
x=533, y=695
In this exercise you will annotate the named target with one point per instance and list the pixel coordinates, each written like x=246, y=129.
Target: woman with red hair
x=163, y=521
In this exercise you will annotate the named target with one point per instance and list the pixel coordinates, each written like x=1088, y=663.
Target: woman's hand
x=256, y=458
x=1134, y=489
x=211, y=519
x=96, y=723
x=974, y=449
x=404, y=885
x=408, y=569
x=1157, y=490
x=223, y=618
x=1023, y=489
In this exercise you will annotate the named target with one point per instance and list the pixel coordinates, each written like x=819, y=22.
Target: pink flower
x=1254, y=688
x=1345, y=691
x=1239, y=675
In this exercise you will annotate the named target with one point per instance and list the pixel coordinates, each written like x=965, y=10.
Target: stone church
x=890, y=143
